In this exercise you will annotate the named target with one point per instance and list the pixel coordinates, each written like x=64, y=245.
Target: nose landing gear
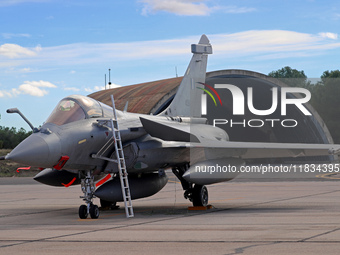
x=88, y=188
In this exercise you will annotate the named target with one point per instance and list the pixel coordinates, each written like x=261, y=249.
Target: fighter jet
x=79, y=143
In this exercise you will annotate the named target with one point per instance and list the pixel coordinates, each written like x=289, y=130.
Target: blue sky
x=50, y=49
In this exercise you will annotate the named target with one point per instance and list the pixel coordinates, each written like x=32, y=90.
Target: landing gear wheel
x=200, y=195
x=83, y=212
x=94, y=211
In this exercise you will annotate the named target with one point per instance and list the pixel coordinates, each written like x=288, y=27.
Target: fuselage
x=79, y=127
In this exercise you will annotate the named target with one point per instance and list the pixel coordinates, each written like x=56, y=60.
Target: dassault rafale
x=83, y=140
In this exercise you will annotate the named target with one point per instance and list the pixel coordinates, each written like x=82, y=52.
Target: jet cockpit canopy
x=75, y=108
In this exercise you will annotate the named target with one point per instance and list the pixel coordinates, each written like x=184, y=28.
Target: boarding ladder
x=123, y=175
x=120, y=160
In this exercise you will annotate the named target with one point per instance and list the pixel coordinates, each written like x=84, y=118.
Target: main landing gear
x=197, y=194
x=88, y=188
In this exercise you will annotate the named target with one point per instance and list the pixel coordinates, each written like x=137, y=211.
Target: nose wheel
x=93, y=211
x=83, y=212
x=88, y=188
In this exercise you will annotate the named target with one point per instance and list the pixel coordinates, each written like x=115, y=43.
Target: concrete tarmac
x=248, y=217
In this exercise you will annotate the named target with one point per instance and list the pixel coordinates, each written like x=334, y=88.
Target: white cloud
x=269, y=41
x=234, y=9
x=86, y=53
x=26, y=70
x=112, y=86
x=10, y=36
x=32, y=88
x=88, y=90
x=329, y=35
x=23, y=70
x=179, y=7
x=14, y=2
x=42, y=84
x=224, y=45
x=253, y=43
x=10, y=94
x=16, y=51
x=189, y=7
x=98, y=88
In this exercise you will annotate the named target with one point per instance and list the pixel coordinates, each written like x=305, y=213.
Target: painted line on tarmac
x=328, y=176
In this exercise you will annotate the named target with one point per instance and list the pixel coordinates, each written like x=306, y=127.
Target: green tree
x=325, y=94
x=10, y=137
x=325, y=99
x=291, y=77
x=330, y=74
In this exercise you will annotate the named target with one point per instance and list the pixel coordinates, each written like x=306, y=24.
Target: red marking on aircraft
x=70, y=183
x=23, y=168
x=62, y=161
x=102, y=181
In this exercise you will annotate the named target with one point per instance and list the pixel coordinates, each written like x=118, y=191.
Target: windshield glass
x=66, y=111
x=91, y=106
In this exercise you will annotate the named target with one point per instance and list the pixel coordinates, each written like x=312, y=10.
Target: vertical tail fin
x=187, y=100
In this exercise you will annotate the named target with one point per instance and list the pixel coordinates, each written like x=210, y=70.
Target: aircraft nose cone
x=35, y=150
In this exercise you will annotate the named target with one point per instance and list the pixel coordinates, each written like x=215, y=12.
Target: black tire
x=200, y=195
x=94, y=212
x=83, y=212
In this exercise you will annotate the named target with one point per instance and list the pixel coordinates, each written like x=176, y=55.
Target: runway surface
x=248, y=217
